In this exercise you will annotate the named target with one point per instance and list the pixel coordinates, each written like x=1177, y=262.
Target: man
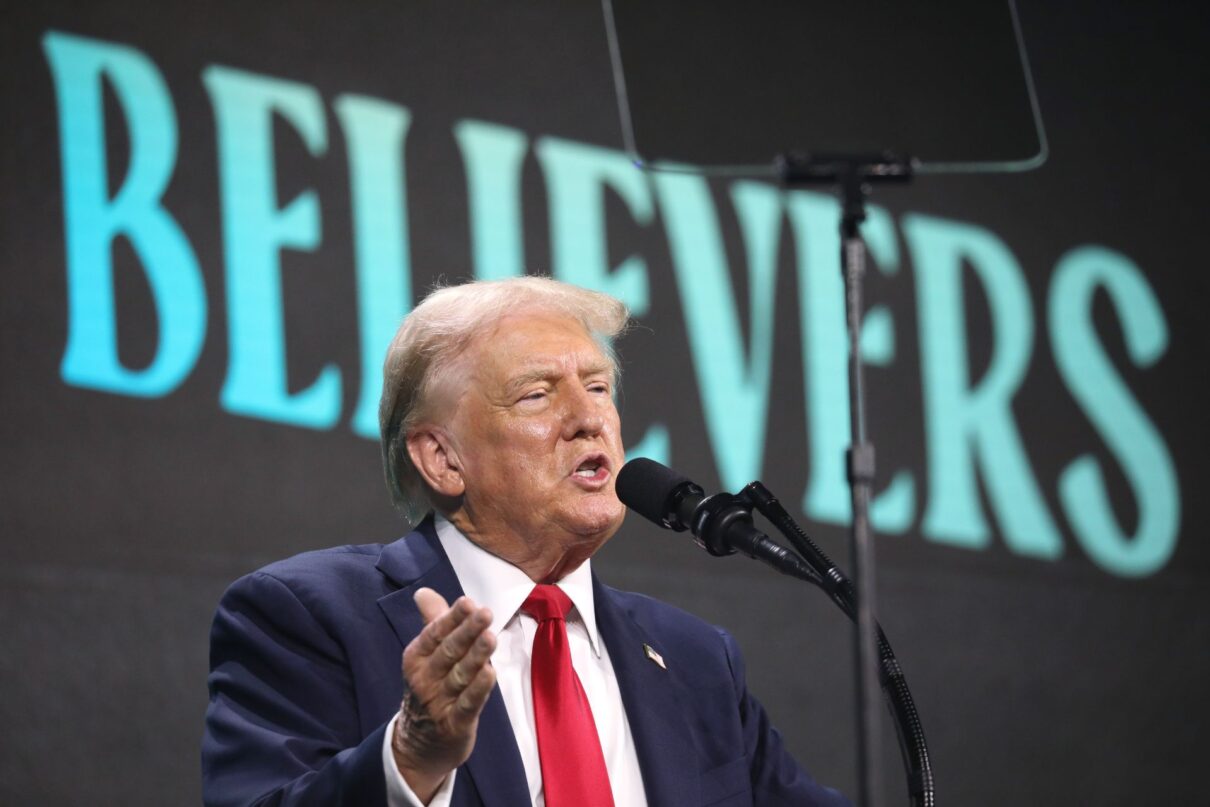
x=538, y=685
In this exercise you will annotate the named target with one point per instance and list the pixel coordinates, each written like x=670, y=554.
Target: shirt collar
x=494, y=582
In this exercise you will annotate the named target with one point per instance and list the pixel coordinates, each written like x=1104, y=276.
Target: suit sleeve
x=282, y=727
x=777, y=779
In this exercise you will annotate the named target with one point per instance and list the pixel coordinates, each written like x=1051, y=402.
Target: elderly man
x=537, y=685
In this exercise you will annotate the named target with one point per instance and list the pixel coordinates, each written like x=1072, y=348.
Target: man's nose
x=583, y=416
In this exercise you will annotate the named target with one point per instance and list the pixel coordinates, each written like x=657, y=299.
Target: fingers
x=444, y=624
x=470, y=703
x=450, y=635
x=465, y=670
x=460, y=641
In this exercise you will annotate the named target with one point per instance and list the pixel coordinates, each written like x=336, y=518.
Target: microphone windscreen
x=644, y=486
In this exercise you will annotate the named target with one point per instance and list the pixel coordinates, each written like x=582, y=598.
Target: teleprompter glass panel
x=725, y=86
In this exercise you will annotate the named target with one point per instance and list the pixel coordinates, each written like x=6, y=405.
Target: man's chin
x=600, y=527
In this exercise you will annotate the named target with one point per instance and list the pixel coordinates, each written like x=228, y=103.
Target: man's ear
x=436, y=460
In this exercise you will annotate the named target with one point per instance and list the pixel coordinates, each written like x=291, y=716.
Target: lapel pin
x=654, y=656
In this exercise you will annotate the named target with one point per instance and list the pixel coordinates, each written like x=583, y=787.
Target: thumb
x=430, y=603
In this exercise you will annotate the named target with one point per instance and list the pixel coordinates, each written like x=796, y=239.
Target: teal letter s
x=1122, y=424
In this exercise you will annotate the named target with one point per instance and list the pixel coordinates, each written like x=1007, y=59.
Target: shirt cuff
x=398, y=792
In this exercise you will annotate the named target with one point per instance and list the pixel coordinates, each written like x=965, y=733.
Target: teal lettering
x=1117, y=417
x=254, y=232
x=576, y=176
x=492, y=156
x=967, y=424
x=734, y=388
x=815, y=221
x=92, y=220
x=375, y=132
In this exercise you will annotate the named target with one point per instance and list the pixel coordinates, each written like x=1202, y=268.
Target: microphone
x=720, y=524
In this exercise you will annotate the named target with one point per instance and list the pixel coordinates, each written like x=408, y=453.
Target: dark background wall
x=1041, y=680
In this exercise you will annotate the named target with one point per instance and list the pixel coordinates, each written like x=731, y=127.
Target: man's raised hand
x=448, y=677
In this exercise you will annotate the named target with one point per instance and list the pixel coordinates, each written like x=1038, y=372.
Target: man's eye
x=599, y=388
x=536, y=395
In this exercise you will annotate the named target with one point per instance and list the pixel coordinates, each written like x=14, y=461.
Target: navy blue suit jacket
x=305, y=674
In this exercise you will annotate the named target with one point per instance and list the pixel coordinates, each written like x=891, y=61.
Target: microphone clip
x=714, y=520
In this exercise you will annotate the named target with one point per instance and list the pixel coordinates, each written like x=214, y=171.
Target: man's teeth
x=587, y=470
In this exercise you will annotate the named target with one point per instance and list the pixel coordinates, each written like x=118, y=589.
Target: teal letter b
x=92, y=220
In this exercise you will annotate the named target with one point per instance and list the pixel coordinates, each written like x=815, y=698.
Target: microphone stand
x=828, y=576
x=853, y=174
x=722, y=525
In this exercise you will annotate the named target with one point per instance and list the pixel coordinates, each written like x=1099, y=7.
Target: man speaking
x=525, y=680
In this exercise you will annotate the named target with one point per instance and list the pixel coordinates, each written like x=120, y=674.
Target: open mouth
x=592, y=467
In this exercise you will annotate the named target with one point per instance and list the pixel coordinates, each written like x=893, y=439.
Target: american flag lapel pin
x=654, y=656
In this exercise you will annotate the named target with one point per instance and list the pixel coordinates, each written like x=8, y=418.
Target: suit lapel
x=495, y=766
x=661, y=737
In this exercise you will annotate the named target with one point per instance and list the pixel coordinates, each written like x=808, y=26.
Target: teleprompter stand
x=853, y=175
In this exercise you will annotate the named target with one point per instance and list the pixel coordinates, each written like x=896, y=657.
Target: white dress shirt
x=502, y=587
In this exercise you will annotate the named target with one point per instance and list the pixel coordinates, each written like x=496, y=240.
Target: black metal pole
x=851, y=173
x=861, y=477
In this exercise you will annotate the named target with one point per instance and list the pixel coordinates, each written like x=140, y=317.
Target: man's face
x=538, y=440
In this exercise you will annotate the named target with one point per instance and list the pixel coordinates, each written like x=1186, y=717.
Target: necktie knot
x=547, y=602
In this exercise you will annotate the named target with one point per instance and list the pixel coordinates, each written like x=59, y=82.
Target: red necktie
x=573, y=767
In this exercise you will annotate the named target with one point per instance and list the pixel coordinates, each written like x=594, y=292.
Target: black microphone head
x=647, y=488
